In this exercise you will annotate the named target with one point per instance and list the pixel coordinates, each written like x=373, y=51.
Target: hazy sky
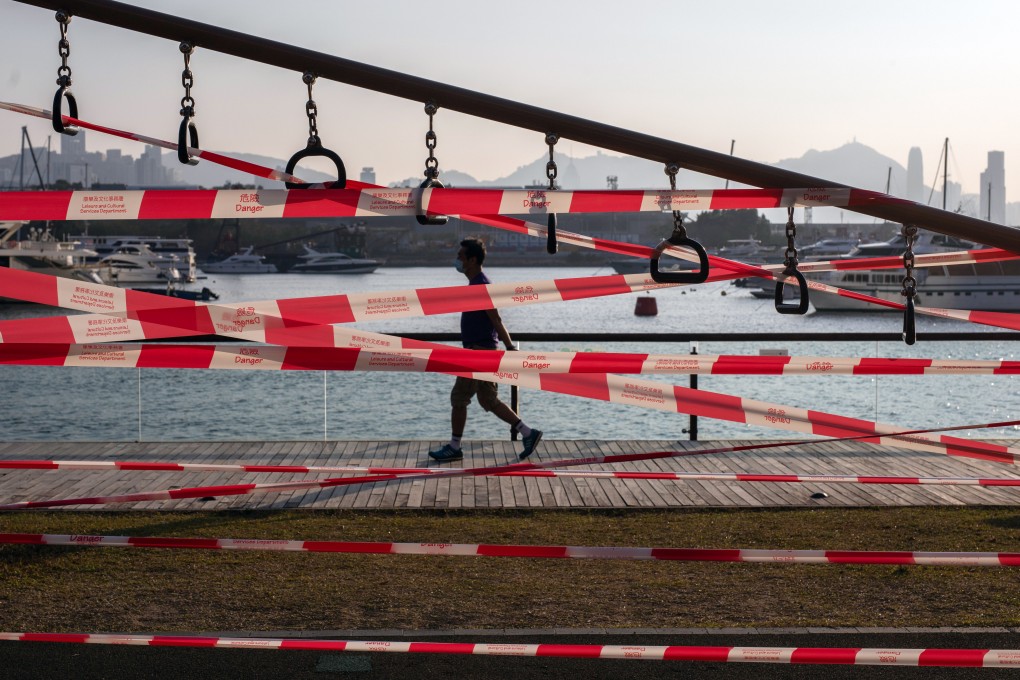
x=778, y=77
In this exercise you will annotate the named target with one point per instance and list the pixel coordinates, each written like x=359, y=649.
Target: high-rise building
x=915, y=175
x=72, y=147
x=368, y=175
x=993, y=189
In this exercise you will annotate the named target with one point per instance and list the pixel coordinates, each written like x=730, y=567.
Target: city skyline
x=655, y=67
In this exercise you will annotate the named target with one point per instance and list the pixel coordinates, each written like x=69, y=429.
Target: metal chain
x=187, y=80
x=431, y=163
x=909, y=289
x=311, y=110
x=791, y=235
x=678, y=217
x=550, y=167
x=64, y=49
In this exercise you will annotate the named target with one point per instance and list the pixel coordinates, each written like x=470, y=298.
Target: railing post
x=692, y=419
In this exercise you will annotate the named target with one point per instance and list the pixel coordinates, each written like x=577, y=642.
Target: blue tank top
x=475, y=327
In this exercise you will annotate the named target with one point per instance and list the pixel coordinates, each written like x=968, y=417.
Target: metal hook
x=801, y=306
x=72, y=110
x=551, y=245
x=63, y=18
x=188, y=132
x=909, y=329
x=421, y=216
x=678, y=238
x=315, y=147
x=431, y=175
x=699, y=276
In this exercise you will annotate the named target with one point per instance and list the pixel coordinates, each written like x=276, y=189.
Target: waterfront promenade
x=830, y=458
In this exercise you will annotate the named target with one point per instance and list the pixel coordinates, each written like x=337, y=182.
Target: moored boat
x=315, y=262
x=245, y=262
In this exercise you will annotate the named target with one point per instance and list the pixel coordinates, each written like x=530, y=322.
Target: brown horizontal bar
x=514, y=113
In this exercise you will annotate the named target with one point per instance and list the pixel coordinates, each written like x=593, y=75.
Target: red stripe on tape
x=581, y=288
x=453, y=299
x=321, y=358
x=172, y=204
x=590, y=385
x=697, y=653
x=200, y=491
x=840, y=655
x=477, y=201
x=868, y=366
x=888, y=480
x=869, y=557
x=29, y=464
x=575, y=651
x=627, y=201
x=331, y=645
x=78, y=638
x=952, y=657
x=47, y=329
x=28, y=286
x=33, y=354
x=1000, y=319
x=348, y=547
x=832, y=425
x=322, y=203
x=737, y=365
x=746, y=198
x=710, y=404
x=441, y=647
x=312, y=336
x=1009, y=559
x=25, y=539
x=35, y=205
x=312, y=310
x=696, y=554
x=459, y=360
x=170, y=356
x=604, y=362
x=148, y=466
x=987, y=451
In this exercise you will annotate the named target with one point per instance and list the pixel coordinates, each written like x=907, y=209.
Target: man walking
x=481, y=329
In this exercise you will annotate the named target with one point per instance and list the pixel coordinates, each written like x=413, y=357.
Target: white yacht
x=43, y=254
x=136, y=265
x=315, y=262
x=742, y=249
x=985, y=286
x=246, y=262
x=179, y=248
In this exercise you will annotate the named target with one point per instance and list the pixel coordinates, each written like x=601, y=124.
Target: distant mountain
x=853, y=163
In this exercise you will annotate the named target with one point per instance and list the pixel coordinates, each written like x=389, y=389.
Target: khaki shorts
x=465, y=388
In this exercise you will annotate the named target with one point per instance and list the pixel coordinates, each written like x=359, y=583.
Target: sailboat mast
x=945, y=172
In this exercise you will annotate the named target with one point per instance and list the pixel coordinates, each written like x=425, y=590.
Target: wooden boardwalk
x=506, y=492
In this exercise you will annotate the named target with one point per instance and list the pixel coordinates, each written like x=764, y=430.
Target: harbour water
x=87, y=404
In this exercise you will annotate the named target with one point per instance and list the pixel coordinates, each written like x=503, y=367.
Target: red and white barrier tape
x=203, y=204
x=412, y=474
x=520, y=226
x=219, y=159
x=937, y=559
x=847, y=656
x=648, y=394
x=142, y=466
x=444, y=359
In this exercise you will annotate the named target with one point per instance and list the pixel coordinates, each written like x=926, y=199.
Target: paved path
x=468, y=492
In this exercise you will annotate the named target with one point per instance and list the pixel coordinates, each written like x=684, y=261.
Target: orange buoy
x=646, y=306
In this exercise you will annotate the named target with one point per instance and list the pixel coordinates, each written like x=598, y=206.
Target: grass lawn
x=156, y=590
